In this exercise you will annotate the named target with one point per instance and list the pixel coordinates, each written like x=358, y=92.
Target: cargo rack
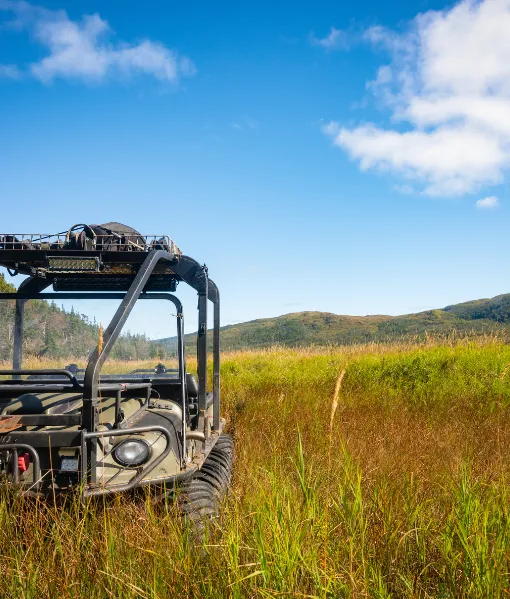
x=110, y=266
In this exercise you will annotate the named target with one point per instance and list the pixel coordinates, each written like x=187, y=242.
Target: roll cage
x=118, y=273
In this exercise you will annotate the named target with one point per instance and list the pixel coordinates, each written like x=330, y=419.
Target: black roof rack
x=103, y=265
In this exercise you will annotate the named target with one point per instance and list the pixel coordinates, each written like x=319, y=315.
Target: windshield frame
x=75, y=295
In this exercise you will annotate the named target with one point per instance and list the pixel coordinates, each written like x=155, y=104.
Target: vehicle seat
x=191, y=386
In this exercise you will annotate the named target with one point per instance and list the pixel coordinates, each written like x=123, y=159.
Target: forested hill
x=322, y=328
x=51, y=331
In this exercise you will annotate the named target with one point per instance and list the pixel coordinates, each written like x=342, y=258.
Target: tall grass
x=396, y=488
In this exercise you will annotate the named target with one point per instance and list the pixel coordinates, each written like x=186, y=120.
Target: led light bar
x=72, y=264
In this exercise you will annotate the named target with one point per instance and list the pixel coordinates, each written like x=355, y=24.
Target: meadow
x=371, y=471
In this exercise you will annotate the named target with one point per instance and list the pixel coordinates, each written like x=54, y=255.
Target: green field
x=397, y=486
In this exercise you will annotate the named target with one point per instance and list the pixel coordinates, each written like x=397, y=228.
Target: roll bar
x=187, y=270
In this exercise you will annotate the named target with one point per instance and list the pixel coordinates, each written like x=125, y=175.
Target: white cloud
x=448, y=89
x=9, y=71
x=488, y=203
x=335, y=39
x=84, y=50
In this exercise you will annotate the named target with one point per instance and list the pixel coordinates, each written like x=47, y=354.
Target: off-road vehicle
x=101, y=434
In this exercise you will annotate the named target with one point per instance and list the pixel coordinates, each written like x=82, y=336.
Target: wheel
x=199, y=498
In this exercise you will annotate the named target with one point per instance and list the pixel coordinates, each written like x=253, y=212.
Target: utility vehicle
x=65, y=429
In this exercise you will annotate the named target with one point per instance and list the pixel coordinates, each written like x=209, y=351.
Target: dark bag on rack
x=109, y=237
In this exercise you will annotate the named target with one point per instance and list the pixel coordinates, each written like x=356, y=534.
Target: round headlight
x=132, y=452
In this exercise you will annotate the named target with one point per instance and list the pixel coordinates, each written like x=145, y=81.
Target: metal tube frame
x=14, y=448
x=18, y=335
x=99, y=355
x=180, y=337
x=142, y=472
x=120, y=296
x=17, y=372
x=216, y=365
x=182, y=377
x=202, y=348
x=32, y=289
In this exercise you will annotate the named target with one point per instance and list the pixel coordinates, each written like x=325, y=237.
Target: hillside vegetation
x=322, y=328
x=394, y=487
x=51, y=331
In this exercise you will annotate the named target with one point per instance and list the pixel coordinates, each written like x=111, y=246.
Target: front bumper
x=87, y=464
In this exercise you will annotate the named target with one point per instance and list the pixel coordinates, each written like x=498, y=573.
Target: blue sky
x=317, y=156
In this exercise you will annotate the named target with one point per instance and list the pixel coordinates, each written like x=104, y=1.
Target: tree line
x=50, y=331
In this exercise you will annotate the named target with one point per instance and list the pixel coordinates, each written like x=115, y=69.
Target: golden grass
x=387, y=481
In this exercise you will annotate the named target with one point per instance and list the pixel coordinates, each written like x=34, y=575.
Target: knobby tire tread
x=199, y=498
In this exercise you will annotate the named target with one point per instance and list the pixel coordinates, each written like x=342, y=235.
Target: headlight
x=132, y=452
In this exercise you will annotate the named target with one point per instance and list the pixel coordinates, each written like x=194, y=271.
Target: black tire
x=199, y=499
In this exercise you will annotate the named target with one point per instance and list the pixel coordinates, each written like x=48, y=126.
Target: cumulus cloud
x=84, y=49
x=335, y=39
x=488, y=203
x=447, y=85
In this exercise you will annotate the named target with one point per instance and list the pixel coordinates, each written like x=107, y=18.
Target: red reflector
x=23, y=462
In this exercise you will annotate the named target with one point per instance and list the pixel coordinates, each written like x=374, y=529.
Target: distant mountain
x=323, y=328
